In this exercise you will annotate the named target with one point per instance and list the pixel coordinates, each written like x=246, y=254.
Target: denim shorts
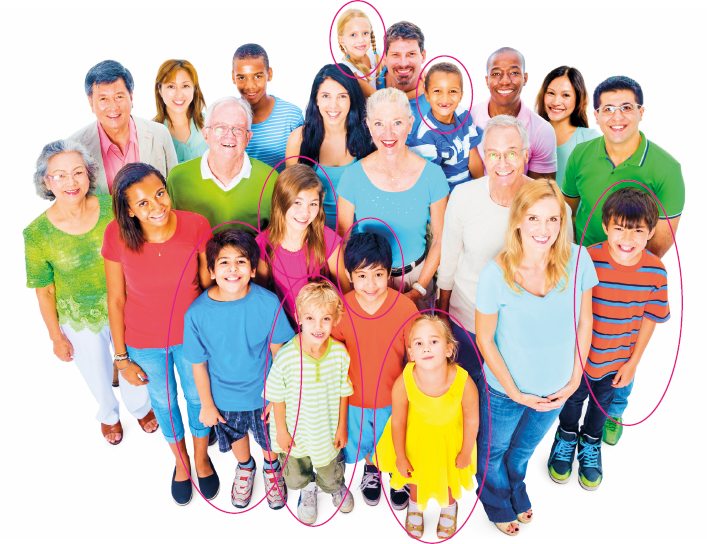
x=237, y=426
x=363, y=417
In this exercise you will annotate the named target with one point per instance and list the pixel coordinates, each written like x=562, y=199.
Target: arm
x=342, y=437
x=538, y=175
x=262, y=277
x=476, y=165
x=204, y=275
x=662, y=239
x=399, y=425
x=336, y=263
x=625, y=374
x=345, y=220
x=443, y=304
x=368, y=89
x=209, y=414
x=46, y=296
x=573, y=204
x=470, y=411
x=284, y=440
x=294, y=142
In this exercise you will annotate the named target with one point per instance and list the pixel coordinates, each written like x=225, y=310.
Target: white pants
x=425, y=303
x=94, y=359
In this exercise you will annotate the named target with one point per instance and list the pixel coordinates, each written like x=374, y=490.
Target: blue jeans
x=152, y=361
x=517, y=431
x=467, y=357
x=620, y=400
x=594, y=418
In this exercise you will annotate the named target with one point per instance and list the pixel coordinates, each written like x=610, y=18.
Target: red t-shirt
x=374, y=336
x=151, y=278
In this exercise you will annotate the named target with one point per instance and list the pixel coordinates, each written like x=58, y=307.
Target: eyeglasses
x=79, y=175
x=220, y=130
x=625, y=108
x=509, y=156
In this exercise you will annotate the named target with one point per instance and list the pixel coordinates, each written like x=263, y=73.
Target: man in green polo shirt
x=624, y=153
x=225, y=184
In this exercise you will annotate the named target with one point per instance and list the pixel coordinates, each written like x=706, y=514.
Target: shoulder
x=540, y=127
x=260, y=169
x=491, y=272
x=433, y=172
x=152, y=126
x=39, y=226
x=469, y=191
x=288, y=353
x=193, y=220
x=584, y=134
x=288, y=108
x=263, y=296
x=85, y=133
x=661, y=156
x=198, y=307
x=651, y=260
x=185, y=169
x=338, y=348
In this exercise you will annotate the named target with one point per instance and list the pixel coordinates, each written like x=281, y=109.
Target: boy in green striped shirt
x=312, y=425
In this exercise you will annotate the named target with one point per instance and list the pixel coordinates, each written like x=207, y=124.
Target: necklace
x=392, y=178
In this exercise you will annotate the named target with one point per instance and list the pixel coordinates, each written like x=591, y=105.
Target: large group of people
x=377, y=279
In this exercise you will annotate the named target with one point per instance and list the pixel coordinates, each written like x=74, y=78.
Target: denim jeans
x=517, y=431
x=620, y=400
x=467, y=357
x=594, y=418
x=152, y=361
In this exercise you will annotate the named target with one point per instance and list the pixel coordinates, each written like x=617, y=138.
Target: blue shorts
x=237, y=426
x=368, y=440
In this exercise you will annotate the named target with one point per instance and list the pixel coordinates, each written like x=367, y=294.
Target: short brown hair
x=447, y=68
x=629, y=207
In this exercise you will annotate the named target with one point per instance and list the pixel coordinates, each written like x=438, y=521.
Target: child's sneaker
x=612, y=431
x=242, y=489
x=589, y=457
x=559, y=465
x=275, y=488
x=370, y=485
x=399, y=498
x=307, y=505
x=344, y=498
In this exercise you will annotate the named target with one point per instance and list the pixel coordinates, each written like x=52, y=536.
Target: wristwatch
x=417, y=287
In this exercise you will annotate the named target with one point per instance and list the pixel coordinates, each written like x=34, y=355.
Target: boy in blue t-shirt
x=228, y=332
x=456, y=150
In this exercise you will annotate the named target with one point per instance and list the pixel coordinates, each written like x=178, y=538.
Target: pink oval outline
x=385, y=42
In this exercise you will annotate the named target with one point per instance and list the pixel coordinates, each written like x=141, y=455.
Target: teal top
x=73, y=262
x=195, y=146
x=334, y=173
x=564, y=151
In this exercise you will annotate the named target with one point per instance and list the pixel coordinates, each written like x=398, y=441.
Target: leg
x=298, y=473
x=414, y=520
x=330, y=478
x=447, y=524
x=594, y=419
x=241, y=449
x=572, y=409
x=620, y=402
x=177, y=448
x=469, y=359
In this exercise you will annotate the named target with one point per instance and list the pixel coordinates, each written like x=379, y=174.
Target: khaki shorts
x=300, y=472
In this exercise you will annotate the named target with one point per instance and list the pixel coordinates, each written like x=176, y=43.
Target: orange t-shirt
x=374, y=336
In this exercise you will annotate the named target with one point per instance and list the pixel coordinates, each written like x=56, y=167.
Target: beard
x=404, y=80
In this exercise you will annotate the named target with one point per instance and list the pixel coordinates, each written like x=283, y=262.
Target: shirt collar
x=483, y=117
x=105, y=140
x=638, y=157
x=207, y=174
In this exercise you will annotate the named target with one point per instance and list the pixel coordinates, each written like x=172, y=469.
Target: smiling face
x=232, y=272
x=149, y=202
x=333, y=102
x=540, y=226
x=304, y=210
x=444, y=93
x=504, y=156
x=370, y=284
x=389, y=126
x=560, y=99
x=404, y=60
x=317, y=323
x=626, y=245
x=428, y=346
x=227, y=146
x=618, y=127
x=356, y=38
x=251, y=78
x=73, y=187
x=506, y=79
x=178, y=94
x=111, y=103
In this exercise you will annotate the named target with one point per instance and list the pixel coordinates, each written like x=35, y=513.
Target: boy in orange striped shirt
x=631, y=297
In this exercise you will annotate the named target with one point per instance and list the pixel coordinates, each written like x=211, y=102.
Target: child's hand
x=284, y=440
x=463, y=460
x=624, y=375
x=210, y=416
x=404, y=467
x=266, y=413
x=341, y=437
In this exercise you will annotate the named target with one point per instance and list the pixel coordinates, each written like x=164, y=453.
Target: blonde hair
x=319, y=295
x=444, y=329
x=556, y=272
x=349, y=14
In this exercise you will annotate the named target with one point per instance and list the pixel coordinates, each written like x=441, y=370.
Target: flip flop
x=109, y=429
x=143, y=421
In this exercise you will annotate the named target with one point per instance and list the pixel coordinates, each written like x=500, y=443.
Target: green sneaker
x=612, y=431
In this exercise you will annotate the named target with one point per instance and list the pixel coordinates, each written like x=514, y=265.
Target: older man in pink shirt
x=505, y=77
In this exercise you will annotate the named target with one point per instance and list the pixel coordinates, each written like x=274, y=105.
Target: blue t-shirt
x=450, y=151
x=406, y=212
x=270, y=137
x=334, y=173
x=535, y=335
x=424, y=104
x=234, y=337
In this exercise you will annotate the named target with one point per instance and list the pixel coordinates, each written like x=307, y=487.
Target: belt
x=395, y=272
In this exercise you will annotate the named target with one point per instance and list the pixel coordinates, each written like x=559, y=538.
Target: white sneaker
x=344, y=498
x=242, y=489
x=275, y=488
x=307, y=505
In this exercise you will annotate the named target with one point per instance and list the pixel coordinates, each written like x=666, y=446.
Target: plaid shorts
x=237, y=426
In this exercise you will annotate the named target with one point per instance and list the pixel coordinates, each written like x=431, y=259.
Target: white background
x=62, y=481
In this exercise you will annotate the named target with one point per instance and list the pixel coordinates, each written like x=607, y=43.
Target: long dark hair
x=129, y=227
x=358, y=139
x=578, y=118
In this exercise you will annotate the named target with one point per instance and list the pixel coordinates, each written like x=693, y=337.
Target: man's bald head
x=504, y=51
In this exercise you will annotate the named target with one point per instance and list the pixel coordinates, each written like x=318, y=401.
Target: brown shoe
x=110, y=429
x=143, y=421
x=116, y=383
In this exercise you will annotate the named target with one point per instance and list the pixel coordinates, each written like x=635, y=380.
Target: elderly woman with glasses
x=65, y=267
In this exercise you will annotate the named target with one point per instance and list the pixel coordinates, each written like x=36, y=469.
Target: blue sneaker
x=589, y=457
x=559, y=465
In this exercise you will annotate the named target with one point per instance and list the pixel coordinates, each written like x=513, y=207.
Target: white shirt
x=206, y=172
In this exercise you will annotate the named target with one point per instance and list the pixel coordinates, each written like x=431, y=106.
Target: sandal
x=143, y=421
x=504, y=527
x=410, y=527
x=523, y=519
x=116, y=383
x=110, y=429
x=446, y=532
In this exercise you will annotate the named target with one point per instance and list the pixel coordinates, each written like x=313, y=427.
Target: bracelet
x=117, y=358
x=417, y=287
x=121, y=354
x=121, y=369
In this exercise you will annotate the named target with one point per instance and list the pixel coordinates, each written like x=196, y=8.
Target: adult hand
x=559, y=398
x=210, y=416
x=133, y=373
x=413, y=294
x=623, y=376
x=63, y=349
x=463, y=460
x=539, y=404
x=284, y=440
x=404, y=467
x=341, y=437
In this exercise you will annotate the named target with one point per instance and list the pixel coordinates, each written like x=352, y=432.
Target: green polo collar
x=638, y=157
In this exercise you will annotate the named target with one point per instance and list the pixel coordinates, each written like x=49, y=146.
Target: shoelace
x=242, y=477
x=589, y=456
x=309, y=498
x=274, y=484
x=405, y=489
x=564, y=450
x=611, y=426
x=370, y=480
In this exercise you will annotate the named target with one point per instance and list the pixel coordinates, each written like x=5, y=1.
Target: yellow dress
x=433, y=441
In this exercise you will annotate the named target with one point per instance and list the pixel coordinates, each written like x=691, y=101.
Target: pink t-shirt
x=151, y=278
x=543, y=144
x=290, y=268
x=113, y=159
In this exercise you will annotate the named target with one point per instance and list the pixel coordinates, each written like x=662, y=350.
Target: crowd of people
x=374, y=279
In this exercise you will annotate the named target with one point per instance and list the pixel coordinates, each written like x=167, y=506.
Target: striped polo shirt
x=623, y=297
x=270, y=137
x=324, y=382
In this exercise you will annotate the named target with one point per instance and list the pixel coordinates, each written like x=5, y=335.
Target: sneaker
x=275, y=488
x=589, y=457
x=344, y=498
x=399, y=498
x=307, y=506
x=612, y=431
x=559, y=465
x=370, y=485
x=242, y=489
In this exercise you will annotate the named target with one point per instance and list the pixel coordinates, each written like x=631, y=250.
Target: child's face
x=444, y=93
x=626, y=245
x=303, y=211
x=232, y=271
x=251, y=78
x=149, y=202
x=428, y=346
x=541, y=225
x=317, y=324
x=370, y=283
x=357, y=37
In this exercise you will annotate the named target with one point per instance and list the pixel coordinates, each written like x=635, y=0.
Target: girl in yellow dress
x=430, y=440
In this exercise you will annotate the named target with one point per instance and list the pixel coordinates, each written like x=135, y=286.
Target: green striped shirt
x=324, y=382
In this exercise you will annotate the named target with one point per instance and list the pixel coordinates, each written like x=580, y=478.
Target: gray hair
x=63, y=146
x=505, y=50
x=107, y=72
x=505, y=121
x=229, y=100
x=387, y=96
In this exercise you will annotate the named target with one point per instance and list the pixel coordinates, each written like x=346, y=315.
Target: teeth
x=617, y=127
x=229, y=145
x=504, y=92
x=541, y=238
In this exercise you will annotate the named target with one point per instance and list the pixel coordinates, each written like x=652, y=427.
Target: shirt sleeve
x=203, y=232
x=346, y=188
x=275, y=386
x=587, y=272
x=283, y=331
x=657, y=308
x=543, y=158
x=452, y=243
x=569, y=184
x=439, y=187
x=40, y=272
x=488, y=292
x=112, y=249
x=194, y=351
x=672, y=193
x=297, y=119
x=346, y=385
